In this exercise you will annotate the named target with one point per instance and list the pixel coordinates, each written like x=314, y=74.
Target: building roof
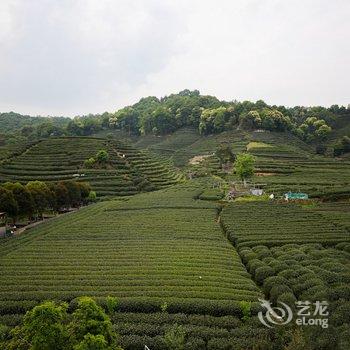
x=296, y=195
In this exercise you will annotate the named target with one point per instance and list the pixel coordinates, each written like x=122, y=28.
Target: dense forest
x=207, y=114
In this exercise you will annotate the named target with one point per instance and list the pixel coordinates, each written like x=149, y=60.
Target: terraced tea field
x=63, y=159
x=164, y=254
x=251, y=224
x=285, y=163
x=186, y=143
x=317, y=177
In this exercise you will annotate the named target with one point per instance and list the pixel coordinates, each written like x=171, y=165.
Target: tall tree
x=8, y=203
x=89, y=318
x=41, y=195
x=244, y=166
x=23, y=198
x=42, y=329
x=74, y=194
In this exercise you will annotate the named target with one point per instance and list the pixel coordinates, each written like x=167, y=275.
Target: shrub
x=278, y=290
x=211, y=195
x=246, y=310
x=261, y=273
x=136, y=342
x=340, y=292
x=260, y=248
x=290, y=273
x=273, y=281
x=297, y=342
x=264, y=254
x=346, y=248
x=330, y=277
x=89, y=163
x=247, y=255
x=318, y=292
x=92, y=196
x=111, y=304
x=299, y=288
x=254, y=264
x=195, y=343
x=175, y=337
x=278, y=266
x=287, y=298
x=289, y=261
x=102, y=156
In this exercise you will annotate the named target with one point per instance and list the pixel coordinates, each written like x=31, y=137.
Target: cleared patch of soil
x=198, y=159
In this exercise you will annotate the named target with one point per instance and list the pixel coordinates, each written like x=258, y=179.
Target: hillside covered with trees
x=320, y=126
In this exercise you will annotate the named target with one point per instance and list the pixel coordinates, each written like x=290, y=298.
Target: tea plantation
x=128, y=171
x=147, y=250
x=297, y=253
x=181, y=255
x=251, y=224
x=283, y=162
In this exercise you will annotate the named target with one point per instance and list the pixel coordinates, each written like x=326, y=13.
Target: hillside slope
x=128, y=171
x=183, y=144
x=151, y=249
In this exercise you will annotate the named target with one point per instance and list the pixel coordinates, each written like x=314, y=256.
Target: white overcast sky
x=70, y=57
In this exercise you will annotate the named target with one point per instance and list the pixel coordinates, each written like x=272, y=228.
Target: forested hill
x=316, y=125
x=11, y=121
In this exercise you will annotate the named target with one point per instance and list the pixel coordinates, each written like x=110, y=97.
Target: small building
x=295, y=196
x=256, y=191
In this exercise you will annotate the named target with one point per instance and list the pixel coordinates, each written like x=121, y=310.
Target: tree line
x=210, y=115
x=33, y=199
x=207, y=114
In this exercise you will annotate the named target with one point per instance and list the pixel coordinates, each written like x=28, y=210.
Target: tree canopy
x=49, y=326
x=19, y=201
x=159, y=116
x=244, y=166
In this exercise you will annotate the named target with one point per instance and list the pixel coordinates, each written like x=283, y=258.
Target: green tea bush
x=272, y=281
x=339, y=292
x=261, y=273
x=318, y=292
x=195, y=343
x=277, y=290
x=278, y=266
x=211, y=195
x=287, y=298
x=254, y=264
x=299, y=288
x=247, y=254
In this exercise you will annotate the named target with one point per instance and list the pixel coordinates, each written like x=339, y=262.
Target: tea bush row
x=250, y=224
